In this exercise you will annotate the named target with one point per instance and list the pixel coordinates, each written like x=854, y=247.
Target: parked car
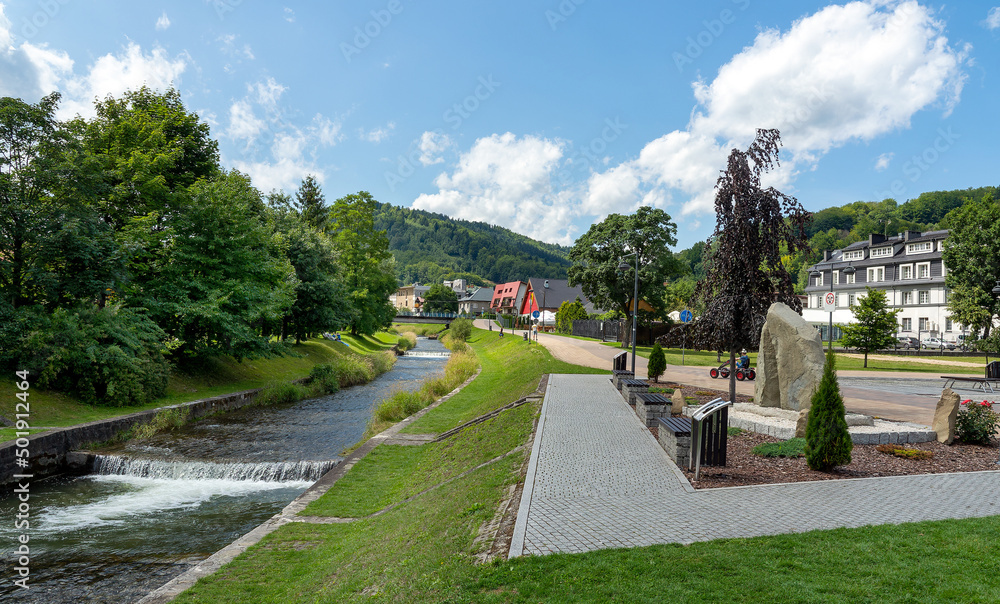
x=936, y=343
x=906, y=342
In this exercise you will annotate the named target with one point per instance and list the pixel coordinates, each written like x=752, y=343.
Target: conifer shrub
x=657, y=362
x=828, y=443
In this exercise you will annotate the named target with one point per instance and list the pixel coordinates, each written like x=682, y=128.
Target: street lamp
x=996, y=292
x=545, y=292
x=635, y=298
x=849, y=270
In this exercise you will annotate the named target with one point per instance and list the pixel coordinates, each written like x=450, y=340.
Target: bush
x=657, y=362
x=461, y=329
x=109, y=357
x=407, y=341
x=323, y=379
x=828, y=443
x=976, y=422
x=794, y=447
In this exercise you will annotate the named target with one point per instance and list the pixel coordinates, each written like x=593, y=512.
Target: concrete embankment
x=48, y=451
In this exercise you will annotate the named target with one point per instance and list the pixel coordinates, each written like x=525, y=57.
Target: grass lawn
x=512, y=369
x=423, y=550
x=700, y=358
x=216, y=376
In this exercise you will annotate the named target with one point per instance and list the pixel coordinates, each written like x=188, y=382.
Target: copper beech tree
x=754, y=227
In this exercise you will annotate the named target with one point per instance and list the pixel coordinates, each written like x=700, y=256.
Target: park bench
x=650, y=406
x=986, y=384
x=674, y=435
x=618, y=375
x=629, y=388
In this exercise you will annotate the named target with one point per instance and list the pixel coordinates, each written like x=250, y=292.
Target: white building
x=907, y=267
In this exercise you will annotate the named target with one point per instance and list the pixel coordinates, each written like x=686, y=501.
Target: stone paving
x=597, y=479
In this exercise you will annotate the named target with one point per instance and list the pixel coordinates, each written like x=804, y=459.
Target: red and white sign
x=829, y=301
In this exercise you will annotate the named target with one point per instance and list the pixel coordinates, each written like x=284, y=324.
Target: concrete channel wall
x=48, y=451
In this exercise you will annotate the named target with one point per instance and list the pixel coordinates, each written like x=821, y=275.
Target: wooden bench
x=990, y=385
x=675, y=437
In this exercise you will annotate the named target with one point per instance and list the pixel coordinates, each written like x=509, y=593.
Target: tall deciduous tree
x=369, y=271
x=972, y=255
x=875, y=326
x=754, y=227
x=597, y=254
x=440, y=299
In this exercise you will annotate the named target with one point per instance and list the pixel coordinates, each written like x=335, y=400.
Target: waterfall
x=428, y=355
x=114, y=465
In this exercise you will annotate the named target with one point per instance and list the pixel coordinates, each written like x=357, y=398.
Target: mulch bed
x=745, y=468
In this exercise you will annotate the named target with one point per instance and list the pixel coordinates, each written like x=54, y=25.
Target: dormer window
x=855, y=255
x=920, y=247
x=881, y=252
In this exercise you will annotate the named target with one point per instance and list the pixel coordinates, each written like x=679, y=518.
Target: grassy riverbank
x=213, y=377
x=434, y=498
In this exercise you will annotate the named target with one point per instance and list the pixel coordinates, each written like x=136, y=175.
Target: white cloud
x=289, y=15
x=432, y=145
x=993, y=18
x=326, y=130
x=163, y=22
x=882, y=162
x=232, y=49
x=6, y=39
x=507, y=180
x=243, y=123
x=378, y=134
x=844, y=74
x=268, y=93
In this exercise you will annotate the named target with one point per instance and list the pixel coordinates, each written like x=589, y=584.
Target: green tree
x=461, y=329
x=754, y=228
x=440, y=299
x=597, y=254
x=828, y=443
x=875, y=328
x=369, y=270
x=569, y=312
x=972, y=255
x=657, y=362
x=223, y=277
x=309, y=202
x=679, y=293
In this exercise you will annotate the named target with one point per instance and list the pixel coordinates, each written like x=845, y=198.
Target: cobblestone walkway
x=597, y=479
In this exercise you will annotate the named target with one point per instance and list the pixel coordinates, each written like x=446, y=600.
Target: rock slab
x=944, y=416
x=789, y=361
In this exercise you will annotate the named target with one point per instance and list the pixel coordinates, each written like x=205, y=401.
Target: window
x=923, y=270
x=907, y=298
x=919, y=248
x=907, y=324
x=941, y=245
x=924, y=297
x=818, y=280
x=905, y=271
x=925, y=324
x=876, y=274
x=836, y=277
x=855, y=255
x=850, y=300
x=881, y=252
x=947, y=323
x=848, y=278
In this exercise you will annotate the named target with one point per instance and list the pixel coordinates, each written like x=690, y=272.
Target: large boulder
x=789, y=362
x=944, y=416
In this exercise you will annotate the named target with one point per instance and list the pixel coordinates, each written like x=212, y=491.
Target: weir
x=151, y=509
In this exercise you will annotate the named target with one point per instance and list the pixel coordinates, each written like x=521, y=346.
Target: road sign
x=535, y=314
x=686, y=316
x=829, y=301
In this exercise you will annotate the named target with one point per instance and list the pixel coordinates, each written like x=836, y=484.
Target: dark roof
x=480, y=294
x=559, y=291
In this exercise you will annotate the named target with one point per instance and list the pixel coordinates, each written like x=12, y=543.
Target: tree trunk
x=866, y=359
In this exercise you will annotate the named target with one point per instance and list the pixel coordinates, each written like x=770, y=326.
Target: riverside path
x=597, y=479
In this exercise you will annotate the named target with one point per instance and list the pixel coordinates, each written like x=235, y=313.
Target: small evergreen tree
x=657, y=363
x=828, y=443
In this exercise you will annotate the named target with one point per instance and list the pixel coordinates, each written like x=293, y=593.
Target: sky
x=545, y=116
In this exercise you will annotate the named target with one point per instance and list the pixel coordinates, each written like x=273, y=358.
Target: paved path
x=597, y=479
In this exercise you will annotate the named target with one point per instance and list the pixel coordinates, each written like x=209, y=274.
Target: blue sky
x=545, y=116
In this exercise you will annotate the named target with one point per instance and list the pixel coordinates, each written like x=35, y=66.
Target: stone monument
x=944, y=416
x=789, y=362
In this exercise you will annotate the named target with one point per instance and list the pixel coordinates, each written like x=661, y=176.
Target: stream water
x=153, y=508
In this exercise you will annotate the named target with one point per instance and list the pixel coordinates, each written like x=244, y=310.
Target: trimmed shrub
x=828, y=443
x=657, y=362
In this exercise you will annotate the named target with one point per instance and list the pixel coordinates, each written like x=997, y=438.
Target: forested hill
x=430, y=247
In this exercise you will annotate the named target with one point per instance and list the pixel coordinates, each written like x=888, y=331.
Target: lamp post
x=545, y=291
x=635, y=298
x=996, y=292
